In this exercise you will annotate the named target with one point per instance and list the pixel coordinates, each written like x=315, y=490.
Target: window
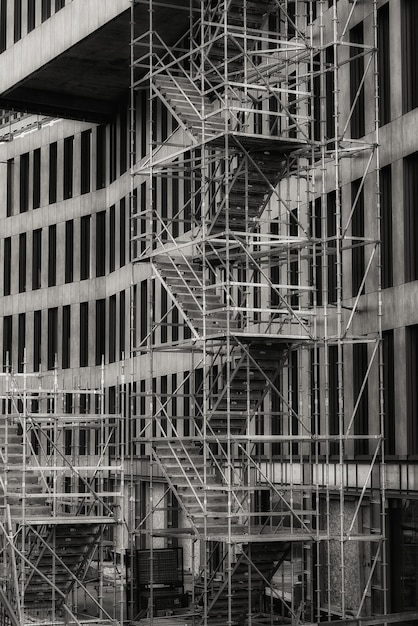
x=66, y=336
x=360, y=397
x=389, y=390
x=46, y=9
x=21, y=341
x=410, y=166
x=3, y=25
x=101, y=157
x=383, y=48
x=101, y=243
x=53, y=173
x=22, y=262
x=24, y=183
x=36, y=258
x=52, y=337
x=112, y=329
x=122, y=325
x=52, y=256
x=316, y=233
x=333, y=402
x=409, y=42
x=332, y=246
x=112, y=151
x=356, y=85
x=329, y=92
x=85, y=247
x=69, y=251
x=31, y=15
x=59, y=4
x=84, y=334
x=36, y=191
x=7, y=341
x=17, y=20
x=100, y=330
x=357, y=230
x=411, y=341
x=68, y=167
x=122, y=232
x=112, y=222
x=386, y=226
x=85, y=161
x=7, y=266
x=37, y=338
x=123, y=141
x=10, y=187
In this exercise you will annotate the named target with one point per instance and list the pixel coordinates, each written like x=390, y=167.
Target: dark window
x=122, y=325
x=123, y=142
x=36, y=258
x=101, y=243
x=164, y=309
x=52, y=337
x=122, y=232
x=389, y=390
x=101, y=157
x=17, y=20
x=410, y=165
x=7, y=266
x=84, y=334
x=112, y=151
x=59, y=4
x=31, y=15
x=386, y=226
x=66, y=336
x=329, y=92
x=10, y=187
x=100, y=330
x=333, y=404
x=46, y=9
x=52, y=256
x=409, y=42
x=383, y=47
x=85, y=247
x=24, y=183
x=3, y=25
x=360, y=397
x=112, y=226
x=21, y=341
x=356, y=84
x=68, y=167
x=144, y=307
x=53, y=173
x=22, y=262
x=316, y=233
x=37, y=339
x=36, y=191
x=411, y=387
x=69, y=251
x=332, y=246
x=357, y=230
x=85, y=161
x=7, y=341
x=112, y=329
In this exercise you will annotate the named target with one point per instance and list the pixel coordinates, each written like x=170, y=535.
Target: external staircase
x=51, y=550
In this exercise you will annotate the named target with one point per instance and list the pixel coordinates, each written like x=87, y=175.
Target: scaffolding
x=255, y=214
x=62, y=484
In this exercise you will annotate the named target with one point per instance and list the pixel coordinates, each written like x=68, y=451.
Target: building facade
x=208, y=325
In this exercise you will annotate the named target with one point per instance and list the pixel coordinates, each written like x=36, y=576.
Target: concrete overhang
x=77, y=63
